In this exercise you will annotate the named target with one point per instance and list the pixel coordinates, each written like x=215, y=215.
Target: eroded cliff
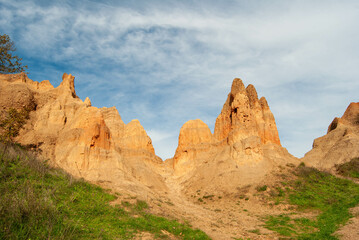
x=89, y=142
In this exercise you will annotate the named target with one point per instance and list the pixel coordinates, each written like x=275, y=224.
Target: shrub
x=302, y=164
x=11, y=124
x=208, y=196
x=261, y=188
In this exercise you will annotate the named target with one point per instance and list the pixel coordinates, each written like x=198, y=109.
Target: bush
x=261, y=188
x=11, y=124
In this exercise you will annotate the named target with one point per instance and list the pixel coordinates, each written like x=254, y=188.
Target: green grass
x=316, y=191
x=349, y=169
x=288, y=226
x=208, y=196
x=39, y=202
x=261, y=188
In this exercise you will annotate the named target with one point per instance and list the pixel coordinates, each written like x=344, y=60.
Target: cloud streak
x=168, y=63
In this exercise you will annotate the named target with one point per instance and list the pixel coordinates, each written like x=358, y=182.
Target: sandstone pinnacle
x=243, y=116
x=245, y=144
x=68, y=84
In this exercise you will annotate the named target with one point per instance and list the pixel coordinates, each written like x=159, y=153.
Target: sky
x=167, y=62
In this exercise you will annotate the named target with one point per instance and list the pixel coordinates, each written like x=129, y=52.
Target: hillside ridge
x=243, y=154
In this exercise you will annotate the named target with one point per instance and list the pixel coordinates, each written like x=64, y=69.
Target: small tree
x=11, y=124
x=9, y=63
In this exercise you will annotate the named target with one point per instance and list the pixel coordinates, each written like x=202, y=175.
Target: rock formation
x=95, y=144
x=195, y=137
x=243, y=115
x=15, y=93
x=244, y=148
x=340, y=144
x=85, y=141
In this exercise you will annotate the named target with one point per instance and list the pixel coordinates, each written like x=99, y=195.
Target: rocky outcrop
x=243, y=115
x=339, y=145
x=15, y=94
x=94, y=143
x=86, y=141
x=195, y=137
x=244, y=148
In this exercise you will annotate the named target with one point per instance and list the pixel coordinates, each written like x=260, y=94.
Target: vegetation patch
x=278, y=195
x=11, y=123
x=261, y=188
x=316, y=191
x=289, y=226
x=39, y=202
x=256, y=231
x=208, y=196
x=349, y=169
x=242, y=196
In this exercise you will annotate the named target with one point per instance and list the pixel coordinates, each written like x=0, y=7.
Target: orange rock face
x=84, y=140
x=192, y=133
x=351, y=115
x=243, y=115
x=244, y=148
x=97, y=145
x=195, y=137
x=339, y=145
x=245, y=123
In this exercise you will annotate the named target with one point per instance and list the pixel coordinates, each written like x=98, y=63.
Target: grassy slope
x=320, y=192
x=349, y=169
x=39, y=202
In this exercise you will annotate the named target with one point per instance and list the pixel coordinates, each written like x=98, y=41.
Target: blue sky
x=166, y=62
